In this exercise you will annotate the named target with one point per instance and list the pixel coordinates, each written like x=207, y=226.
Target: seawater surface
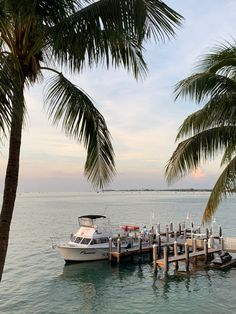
x=35, y=279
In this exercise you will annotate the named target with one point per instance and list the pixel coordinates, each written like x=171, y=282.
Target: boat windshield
x=78, y=239
x=85, y=241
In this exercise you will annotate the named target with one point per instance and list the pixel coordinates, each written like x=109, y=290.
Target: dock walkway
x=182, y=257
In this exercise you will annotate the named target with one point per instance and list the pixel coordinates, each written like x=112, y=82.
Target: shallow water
x=36, y=280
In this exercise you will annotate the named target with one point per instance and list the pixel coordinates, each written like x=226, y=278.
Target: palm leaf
x=221, y=60
x=111, y=32
x=219, y=110
x=228, y=153
x=200, y=86
x=190, y=152
x=74, y=110
x=224, y=186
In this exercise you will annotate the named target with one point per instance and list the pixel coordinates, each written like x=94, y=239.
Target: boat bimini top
x=87, y=220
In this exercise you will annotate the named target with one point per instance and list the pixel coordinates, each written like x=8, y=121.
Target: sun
x=198, y=173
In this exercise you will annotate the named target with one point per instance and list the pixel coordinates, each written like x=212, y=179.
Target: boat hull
x=72, y=254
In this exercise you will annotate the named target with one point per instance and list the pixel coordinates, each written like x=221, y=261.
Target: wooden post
x=175, y=235
x=205, y=250
x=154, y=256
x=110, y=249
x=185, y=234
x=171, y=227
x=207, y=233
x=222, y=243
x=220, y=231
x=140, y=247
x=118, y=250
x=192, y=231
x=159, y=228
x=195, y=249
x=167, y=234
x=159, y=246
x=186, y=247
x=212, y=241
x=166, y=264
x=194, y=245
x=179, y=229
x=176, y=264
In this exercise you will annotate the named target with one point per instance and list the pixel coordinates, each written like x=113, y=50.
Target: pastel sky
x=141, y=116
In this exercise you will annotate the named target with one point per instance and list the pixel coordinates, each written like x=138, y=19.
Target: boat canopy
x=87, y=220
x=92, y=216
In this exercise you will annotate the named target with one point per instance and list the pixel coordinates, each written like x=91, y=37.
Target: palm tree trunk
x=11, y=182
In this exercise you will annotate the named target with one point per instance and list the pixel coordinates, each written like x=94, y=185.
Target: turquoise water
x=36, y=280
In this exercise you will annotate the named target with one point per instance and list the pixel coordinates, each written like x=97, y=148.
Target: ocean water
x=37, y=281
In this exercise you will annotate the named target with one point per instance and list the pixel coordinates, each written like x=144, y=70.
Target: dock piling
x=154, y=256
x=175, y=236
x=194, y=244
x=140, y=247
x=220, y=231
x=159, y=246
x=185, y=231
x=166, y=256
x=158, y=228
x=179, y=229
x=222, y=243
x=167, y=234
x=110, y=249
x=118, y=250
x=212, y=241
x=176, y=264
x=186, y=248
x=205, y=244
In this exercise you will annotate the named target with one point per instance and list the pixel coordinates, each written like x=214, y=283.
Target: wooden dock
x=164, y=262
x=172, y=247
x=172, y=259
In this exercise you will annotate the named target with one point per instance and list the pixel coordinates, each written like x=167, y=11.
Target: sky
x=142, y=116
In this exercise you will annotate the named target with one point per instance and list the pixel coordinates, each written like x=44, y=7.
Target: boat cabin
x=89, y=233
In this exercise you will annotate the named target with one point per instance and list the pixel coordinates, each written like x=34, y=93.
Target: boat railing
x=57, y=240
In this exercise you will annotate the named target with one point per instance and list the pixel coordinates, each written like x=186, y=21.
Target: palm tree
x=38, y=36
x=212, y=129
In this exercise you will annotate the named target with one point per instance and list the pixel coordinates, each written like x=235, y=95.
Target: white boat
x=91, y=241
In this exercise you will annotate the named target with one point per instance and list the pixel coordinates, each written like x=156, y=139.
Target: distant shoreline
x=158, y=190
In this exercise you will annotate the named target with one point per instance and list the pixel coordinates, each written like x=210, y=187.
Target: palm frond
x=218, y=111
x=194, y=150
x=111, y=32
x=224, y=186
x=221, y=60
x=212, y=129
x=228, y=153
x=200, y=86
x=74, y=110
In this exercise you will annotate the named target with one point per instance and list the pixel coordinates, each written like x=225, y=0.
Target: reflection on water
x=37, y=281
